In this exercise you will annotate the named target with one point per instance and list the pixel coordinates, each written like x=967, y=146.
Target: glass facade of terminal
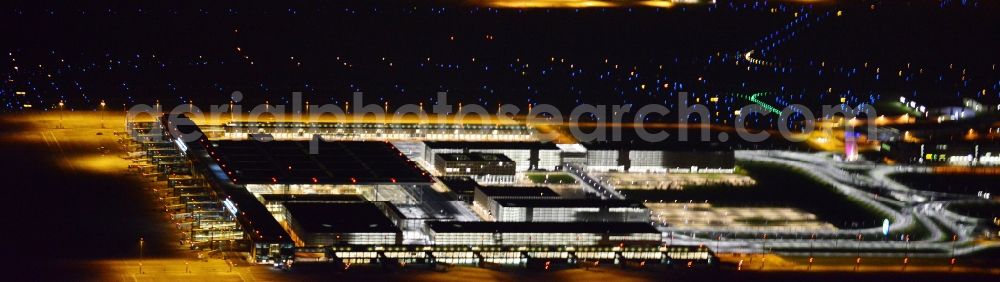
x=502, y=213
x=602, y=159
x=379, y=131
x=503, y=255
x=548, y=159
x=550, y=238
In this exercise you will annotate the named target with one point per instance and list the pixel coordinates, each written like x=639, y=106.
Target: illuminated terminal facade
x=485, y=197
x=505, y=254
x=541, y=204
x=483, y=167
x=673, y=157
x=238, y=130
x=368, y=202
x=542, y=233
x=527, y=155
x=569, y=210
x=244, y=177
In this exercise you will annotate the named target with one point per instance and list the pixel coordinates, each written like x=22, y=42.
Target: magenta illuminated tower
x=850, y=147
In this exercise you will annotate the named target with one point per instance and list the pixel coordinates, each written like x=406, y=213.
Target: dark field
x=979, y=210
x=968, y=184
x=66, y=204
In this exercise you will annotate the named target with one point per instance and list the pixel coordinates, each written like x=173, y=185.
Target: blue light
x=885, y=226
x=230, y=206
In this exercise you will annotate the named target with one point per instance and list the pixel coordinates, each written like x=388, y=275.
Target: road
x=906, y=207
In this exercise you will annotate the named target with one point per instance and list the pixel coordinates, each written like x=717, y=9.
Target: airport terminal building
x=542, y=233
x=366, y=201
x=569, y=210
x=483, y=167
x=327, y=224
x=245, y=176
x=527, y=155
x=674, y=157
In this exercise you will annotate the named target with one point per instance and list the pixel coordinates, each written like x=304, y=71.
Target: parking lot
x=676, y=181
x=704, y=215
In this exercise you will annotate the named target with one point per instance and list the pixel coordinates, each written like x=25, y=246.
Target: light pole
x=102, y=113
x=812, y=247
x=61, y=105
x=906, y=253
x=211, y=238
x=857, y=263
x=763, y=253
x=140, y=254
x=717, y=241
x=951, y=264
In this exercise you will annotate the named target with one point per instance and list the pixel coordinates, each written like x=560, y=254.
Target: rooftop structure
x=281, y=198
x=484, y=167
x=341, y=162
x=464, y=187
x=516, y=192
x=459, y=184
x=569, y=203
x=362, y=223
x=486, y=197
x=526, y=155
x=474, y=157
x=490, y=145
x=275, y=203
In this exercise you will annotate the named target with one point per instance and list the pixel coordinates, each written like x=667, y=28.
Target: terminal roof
x=338, y=162
x=339, y=217
x=541, y=227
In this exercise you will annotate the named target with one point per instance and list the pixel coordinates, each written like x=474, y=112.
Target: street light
x=140, y=254
x=951, y=265
x=102, y=113
x=812, y=247
x=906, y=253
x=61, y=105
x=857, y=263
